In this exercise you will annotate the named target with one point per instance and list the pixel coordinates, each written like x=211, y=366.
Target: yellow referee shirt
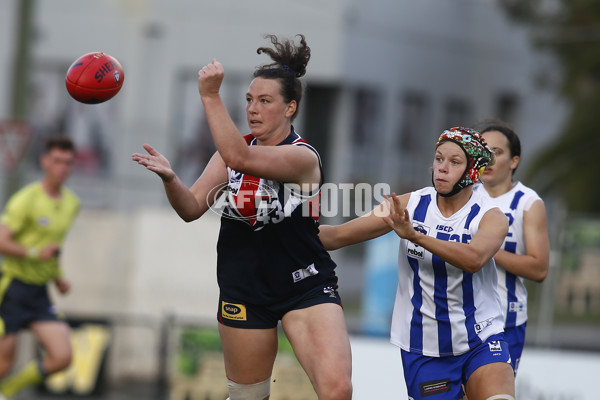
x=36, y=220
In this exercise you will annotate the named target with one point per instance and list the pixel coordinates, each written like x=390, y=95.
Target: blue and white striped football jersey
x=511, y=287
x=441, y=310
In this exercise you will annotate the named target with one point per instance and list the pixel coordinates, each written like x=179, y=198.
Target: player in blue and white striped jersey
x=525, y=252
x=447, y=318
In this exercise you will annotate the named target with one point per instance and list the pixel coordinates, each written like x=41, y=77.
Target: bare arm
x=9, y=247
x=190, y=204
x=367, y=227
x=534, y=264
x=470, y=257
x=285, y=163
x=209, y=185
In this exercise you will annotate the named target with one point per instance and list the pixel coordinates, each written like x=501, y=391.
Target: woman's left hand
x=210, y=78
x=399, y=219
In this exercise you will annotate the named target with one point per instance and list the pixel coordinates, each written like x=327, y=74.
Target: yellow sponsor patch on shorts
x=233, y=311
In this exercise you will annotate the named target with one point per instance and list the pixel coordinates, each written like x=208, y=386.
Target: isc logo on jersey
x=233, y=311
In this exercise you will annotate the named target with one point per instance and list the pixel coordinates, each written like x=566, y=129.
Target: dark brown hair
x=514, y=144
x=59, y=142
x=289, y=64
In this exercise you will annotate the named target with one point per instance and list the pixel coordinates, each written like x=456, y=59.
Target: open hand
x=399, y=219
x=155, y=162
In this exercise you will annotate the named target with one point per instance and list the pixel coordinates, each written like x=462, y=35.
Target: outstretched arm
x=367, y=227
x=534, y=263
x=190, y=204
x=470, y=257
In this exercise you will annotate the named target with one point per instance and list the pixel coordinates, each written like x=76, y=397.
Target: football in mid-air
x=94, y=78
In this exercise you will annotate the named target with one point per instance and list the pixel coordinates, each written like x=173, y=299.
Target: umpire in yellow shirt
x=32, y=228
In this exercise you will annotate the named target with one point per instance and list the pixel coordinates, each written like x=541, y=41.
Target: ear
x=514, y=162
x=290, y=109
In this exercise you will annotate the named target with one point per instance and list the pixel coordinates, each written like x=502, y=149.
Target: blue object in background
x=381, y=282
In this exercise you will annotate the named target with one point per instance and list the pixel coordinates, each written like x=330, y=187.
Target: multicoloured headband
x=479, y=155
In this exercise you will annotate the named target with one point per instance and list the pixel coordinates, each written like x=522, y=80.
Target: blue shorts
x=441, y=378
x=23, y=303
x=515, y=337
x=239, y=314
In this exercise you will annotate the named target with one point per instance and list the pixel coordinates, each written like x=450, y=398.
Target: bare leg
x=8, y=345
x=249, y=353
x=320, y=340
x=54, y=336
x=491, y=380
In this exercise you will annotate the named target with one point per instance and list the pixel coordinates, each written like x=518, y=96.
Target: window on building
x=366, y=115
x=507, y=107
x=457, y=112
x=318, y=111
x=366, y=134
x=412, y=141
x=414, y=116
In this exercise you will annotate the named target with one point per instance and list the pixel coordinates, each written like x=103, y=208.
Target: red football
x=94, y=78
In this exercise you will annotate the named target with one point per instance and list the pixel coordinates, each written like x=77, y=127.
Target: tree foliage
x=571, y=30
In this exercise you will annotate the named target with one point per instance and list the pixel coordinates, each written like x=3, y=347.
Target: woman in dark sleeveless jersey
x=271, y=263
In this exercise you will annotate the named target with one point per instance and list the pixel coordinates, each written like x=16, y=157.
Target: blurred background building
x=385, y=78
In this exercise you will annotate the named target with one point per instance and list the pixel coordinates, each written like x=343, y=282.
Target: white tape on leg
x=501, y=397
x=254, y=391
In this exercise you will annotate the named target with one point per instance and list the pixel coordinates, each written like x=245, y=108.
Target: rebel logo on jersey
x=415, y=253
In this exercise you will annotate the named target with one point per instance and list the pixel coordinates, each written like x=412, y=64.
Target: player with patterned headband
x=525, y=253
x=447, y=318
